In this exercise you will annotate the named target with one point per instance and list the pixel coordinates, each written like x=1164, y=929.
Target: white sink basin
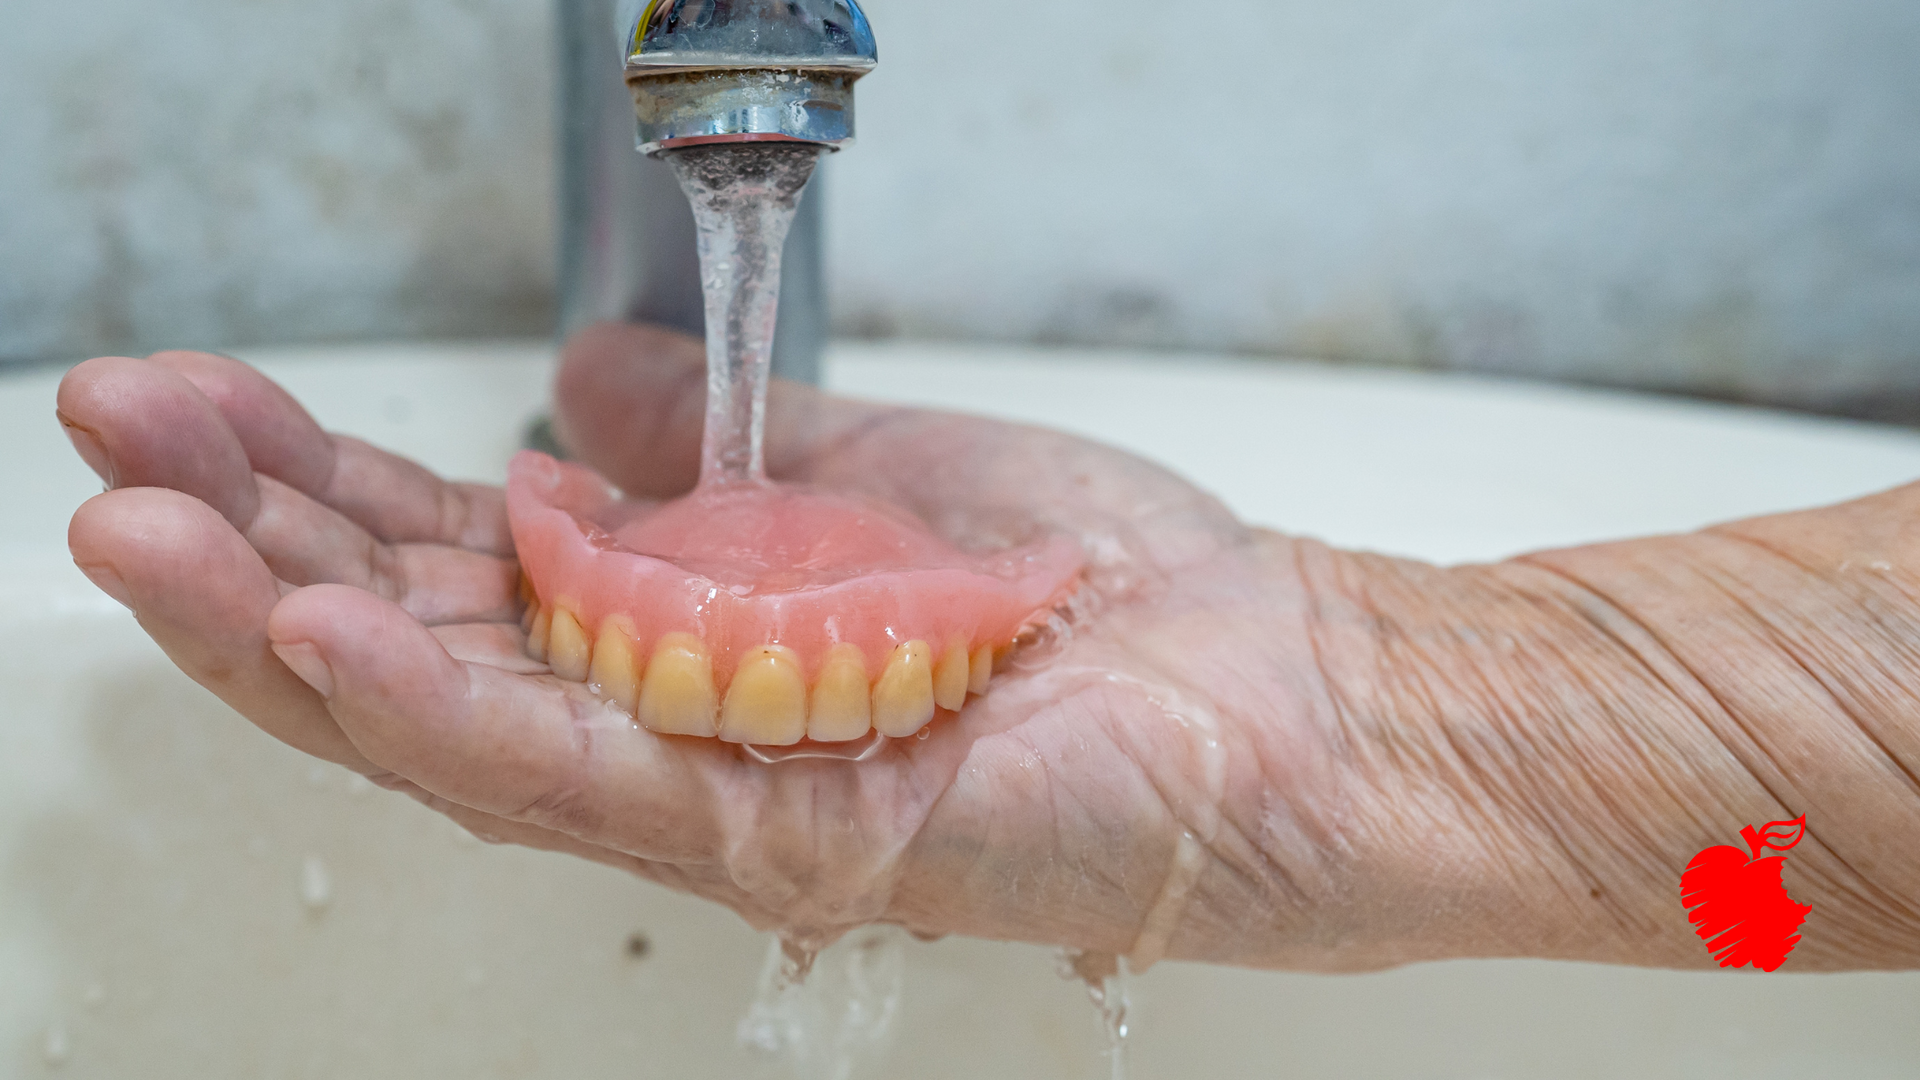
x=182, y=897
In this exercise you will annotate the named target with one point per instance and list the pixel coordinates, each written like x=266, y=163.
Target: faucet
x=707, y=71
x=694, y=72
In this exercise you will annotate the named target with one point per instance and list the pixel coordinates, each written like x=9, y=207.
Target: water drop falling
x=316, y=885
x=821, y=1014
x=1106, y=982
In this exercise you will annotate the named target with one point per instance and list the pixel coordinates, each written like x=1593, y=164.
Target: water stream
x=744, y=198
x=819, y=1014
x=1105, y=978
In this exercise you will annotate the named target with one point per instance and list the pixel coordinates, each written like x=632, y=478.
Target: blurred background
x=1712, y=197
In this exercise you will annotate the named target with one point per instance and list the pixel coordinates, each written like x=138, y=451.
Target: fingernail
x=90, y=448
x=109, y=582
x=305, y=660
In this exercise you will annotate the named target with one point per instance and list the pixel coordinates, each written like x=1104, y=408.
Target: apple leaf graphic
x=1737, y=902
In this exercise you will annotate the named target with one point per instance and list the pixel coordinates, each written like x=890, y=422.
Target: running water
x=744, y=198
x=821, y=1015
x=1106, y=982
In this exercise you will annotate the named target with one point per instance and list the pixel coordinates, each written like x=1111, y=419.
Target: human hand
x=1086, y=791
x=1249, y=749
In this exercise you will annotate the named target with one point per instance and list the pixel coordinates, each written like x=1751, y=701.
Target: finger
x=629, y=402
x=710, y=885
x=204, y=596
x=150, y=427
x=396, y=500
x=307, y=543
x=400, y=501
x=500, y=645
x=529, y=749
x=280, y=437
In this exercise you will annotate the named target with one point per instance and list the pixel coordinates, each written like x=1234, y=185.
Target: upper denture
x=794, y=589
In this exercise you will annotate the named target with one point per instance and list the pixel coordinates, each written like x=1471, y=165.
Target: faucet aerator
x=715, y=71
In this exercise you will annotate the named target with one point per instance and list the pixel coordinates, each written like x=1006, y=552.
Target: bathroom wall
x=229, y=171
x=1715, y=195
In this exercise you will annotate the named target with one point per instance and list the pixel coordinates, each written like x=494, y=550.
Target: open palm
x=1113, y=791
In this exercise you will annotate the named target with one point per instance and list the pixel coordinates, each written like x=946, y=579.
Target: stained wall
x=1717, y=196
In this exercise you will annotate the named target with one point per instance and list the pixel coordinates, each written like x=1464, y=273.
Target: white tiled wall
x=1721, y=194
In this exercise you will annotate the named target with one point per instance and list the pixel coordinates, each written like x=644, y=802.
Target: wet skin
x=1252, y=749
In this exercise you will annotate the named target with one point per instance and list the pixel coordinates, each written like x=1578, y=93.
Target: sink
x=180, y=896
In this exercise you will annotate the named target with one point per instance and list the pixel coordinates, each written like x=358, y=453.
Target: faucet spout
x=712, y=71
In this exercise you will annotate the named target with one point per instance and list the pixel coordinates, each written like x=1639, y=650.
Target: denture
x=766, y=614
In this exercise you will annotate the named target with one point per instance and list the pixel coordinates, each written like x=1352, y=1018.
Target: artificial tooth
x=569, y=653
x=537, y=636
x=616, y=664
x=903, y=698
x=767, y=701
x=980, y=670
x=842, y=707
x=950, y=678
x=677, y=696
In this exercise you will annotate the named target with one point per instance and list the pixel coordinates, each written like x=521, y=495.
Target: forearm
x=1553, y=738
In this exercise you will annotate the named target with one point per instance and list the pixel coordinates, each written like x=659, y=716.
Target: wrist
x=1531, y=786
x=1789, y=640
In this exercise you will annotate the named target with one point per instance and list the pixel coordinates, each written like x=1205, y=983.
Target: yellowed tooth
x=980, y=670
x=677, y=696
x=903, y=698
x=616, y=663
x=842, y=702
x=767, y=700
x=537, y=636
x=569, y=653
x=950, y=677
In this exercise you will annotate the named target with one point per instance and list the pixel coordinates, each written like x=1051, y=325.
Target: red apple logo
x=1736, y=902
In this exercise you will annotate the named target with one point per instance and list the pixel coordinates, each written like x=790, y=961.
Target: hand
x=1109, y=793
x=1246, y=749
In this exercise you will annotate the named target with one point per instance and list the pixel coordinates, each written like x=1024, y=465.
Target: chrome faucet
x=694, y=72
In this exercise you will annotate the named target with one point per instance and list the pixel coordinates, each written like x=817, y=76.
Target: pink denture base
x=769, y=565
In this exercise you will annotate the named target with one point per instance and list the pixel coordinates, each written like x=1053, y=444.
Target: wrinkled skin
x=1246, y=749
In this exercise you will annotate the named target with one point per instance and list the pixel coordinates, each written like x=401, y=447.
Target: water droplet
x=1106, y=982
x=316, y=885
x=865, y=748
x=56, y=1049
x=826, y=1023
x=359, y=786
x=924, y=734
